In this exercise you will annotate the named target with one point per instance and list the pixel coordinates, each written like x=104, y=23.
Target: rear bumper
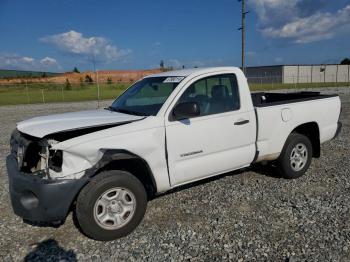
x=40, y=200
x=340, y=125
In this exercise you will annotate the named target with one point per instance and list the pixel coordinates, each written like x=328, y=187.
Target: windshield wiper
x=125, y=111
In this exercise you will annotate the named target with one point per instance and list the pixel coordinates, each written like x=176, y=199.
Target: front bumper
x=40, y=200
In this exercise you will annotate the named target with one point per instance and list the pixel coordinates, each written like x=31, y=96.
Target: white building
x=294, y=74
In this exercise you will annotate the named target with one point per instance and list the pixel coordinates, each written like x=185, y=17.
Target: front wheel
x=111, y=205
x=295, y=157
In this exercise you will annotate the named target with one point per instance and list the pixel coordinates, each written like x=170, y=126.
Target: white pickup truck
x=166, y=130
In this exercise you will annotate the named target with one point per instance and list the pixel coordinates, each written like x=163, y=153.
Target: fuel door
x=286, y=114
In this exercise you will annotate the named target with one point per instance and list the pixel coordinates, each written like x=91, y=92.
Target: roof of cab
x=192, y=71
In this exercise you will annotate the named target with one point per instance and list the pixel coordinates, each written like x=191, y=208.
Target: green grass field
x=49, y=93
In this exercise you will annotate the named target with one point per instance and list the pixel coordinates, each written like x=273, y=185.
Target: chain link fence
x=28, y=92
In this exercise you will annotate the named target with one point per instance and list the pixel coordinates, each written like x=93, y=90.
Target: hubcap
x=298, y=157
x=114, y=208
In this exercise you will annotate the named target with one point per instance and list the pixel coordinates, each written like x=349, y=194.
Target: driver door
x=220, y=139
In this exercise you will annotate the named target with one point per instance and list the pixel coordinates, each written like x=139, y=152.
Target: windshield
x=146, y=97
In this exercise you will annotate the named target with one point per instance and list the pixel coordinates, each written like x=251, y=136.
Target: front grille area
x=19, y=145
x=29, y=151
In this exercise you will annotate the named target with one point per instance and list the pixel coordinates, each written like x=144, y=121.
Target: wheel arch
x=312, y=131
x=114, y=159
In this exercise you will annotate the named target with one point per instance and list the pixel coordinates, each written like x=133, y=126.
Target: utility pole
x=96, y=80
x=242, y=28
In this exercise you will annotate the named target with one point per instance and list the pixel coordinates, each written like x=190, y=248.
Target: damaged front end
x=35, y=156
x=33, y=167
x=47, y=167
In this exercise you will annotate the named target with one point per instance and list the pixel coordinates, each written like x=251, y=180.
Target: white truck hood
x=45, y=125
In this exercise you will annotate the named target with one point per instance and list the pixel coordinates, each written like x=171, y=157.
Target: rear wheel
x=111, y=205
x=295, y=157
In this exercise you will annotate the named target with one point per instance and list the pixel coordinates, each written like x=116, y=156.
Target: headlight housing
x=55, y=160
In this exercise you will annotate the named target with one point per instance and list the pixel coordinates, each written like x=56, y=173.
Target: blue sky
x=56, y=35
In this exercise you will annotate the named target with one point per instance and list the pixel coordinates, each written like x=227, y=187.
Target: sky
x=57, y=35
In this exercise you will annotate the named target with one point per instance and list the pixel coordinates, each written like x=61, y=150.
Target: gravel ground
x=242, y=216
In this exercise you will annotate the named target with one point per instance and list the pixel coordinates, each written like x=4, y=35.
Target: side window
x=214, y=94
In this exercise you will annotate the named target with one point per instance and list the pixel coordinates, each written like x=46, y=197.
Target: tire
x=111, y=205
x=293, y=161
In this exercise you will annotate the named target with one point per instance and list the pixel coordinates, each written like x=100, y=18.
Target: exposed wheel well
x=311, y=131
x=137, y=167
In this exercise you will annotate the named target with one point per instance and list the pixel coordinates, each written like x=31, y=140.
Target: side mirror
x=186, y=110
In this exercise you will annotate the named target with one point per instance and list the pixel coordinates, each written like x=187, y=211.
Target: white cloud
x=300, y=20
x=17, y=62
x=26, y=59
x=273, y=10
x=48, y=61
x=13, y=61
x=313, y=28
x=94, y=47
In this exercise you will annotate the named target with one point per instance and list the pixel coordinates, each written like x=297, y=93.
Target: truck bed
x=263, y=99
x=278, y=114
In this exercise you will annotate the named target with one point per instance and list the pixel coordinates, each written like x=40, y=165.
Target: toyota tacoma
x=166, y=130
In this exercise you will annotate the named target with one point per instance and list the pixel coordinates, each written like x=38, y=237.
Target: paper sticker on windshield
x=173, y=79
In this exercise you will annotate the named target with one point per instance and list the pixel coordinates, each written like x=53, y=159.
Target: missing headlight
x=55, y=160
x=31, y=159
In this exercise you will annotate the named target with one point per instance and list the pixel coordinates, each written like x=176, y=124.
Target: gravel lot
x=242, y=216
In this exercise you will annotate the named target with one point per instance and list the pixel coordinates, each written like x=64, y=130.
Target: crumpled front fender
x=75, y=162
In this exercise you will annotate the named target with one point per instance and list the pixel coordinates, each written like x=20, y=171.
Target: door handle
x=241, y=122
